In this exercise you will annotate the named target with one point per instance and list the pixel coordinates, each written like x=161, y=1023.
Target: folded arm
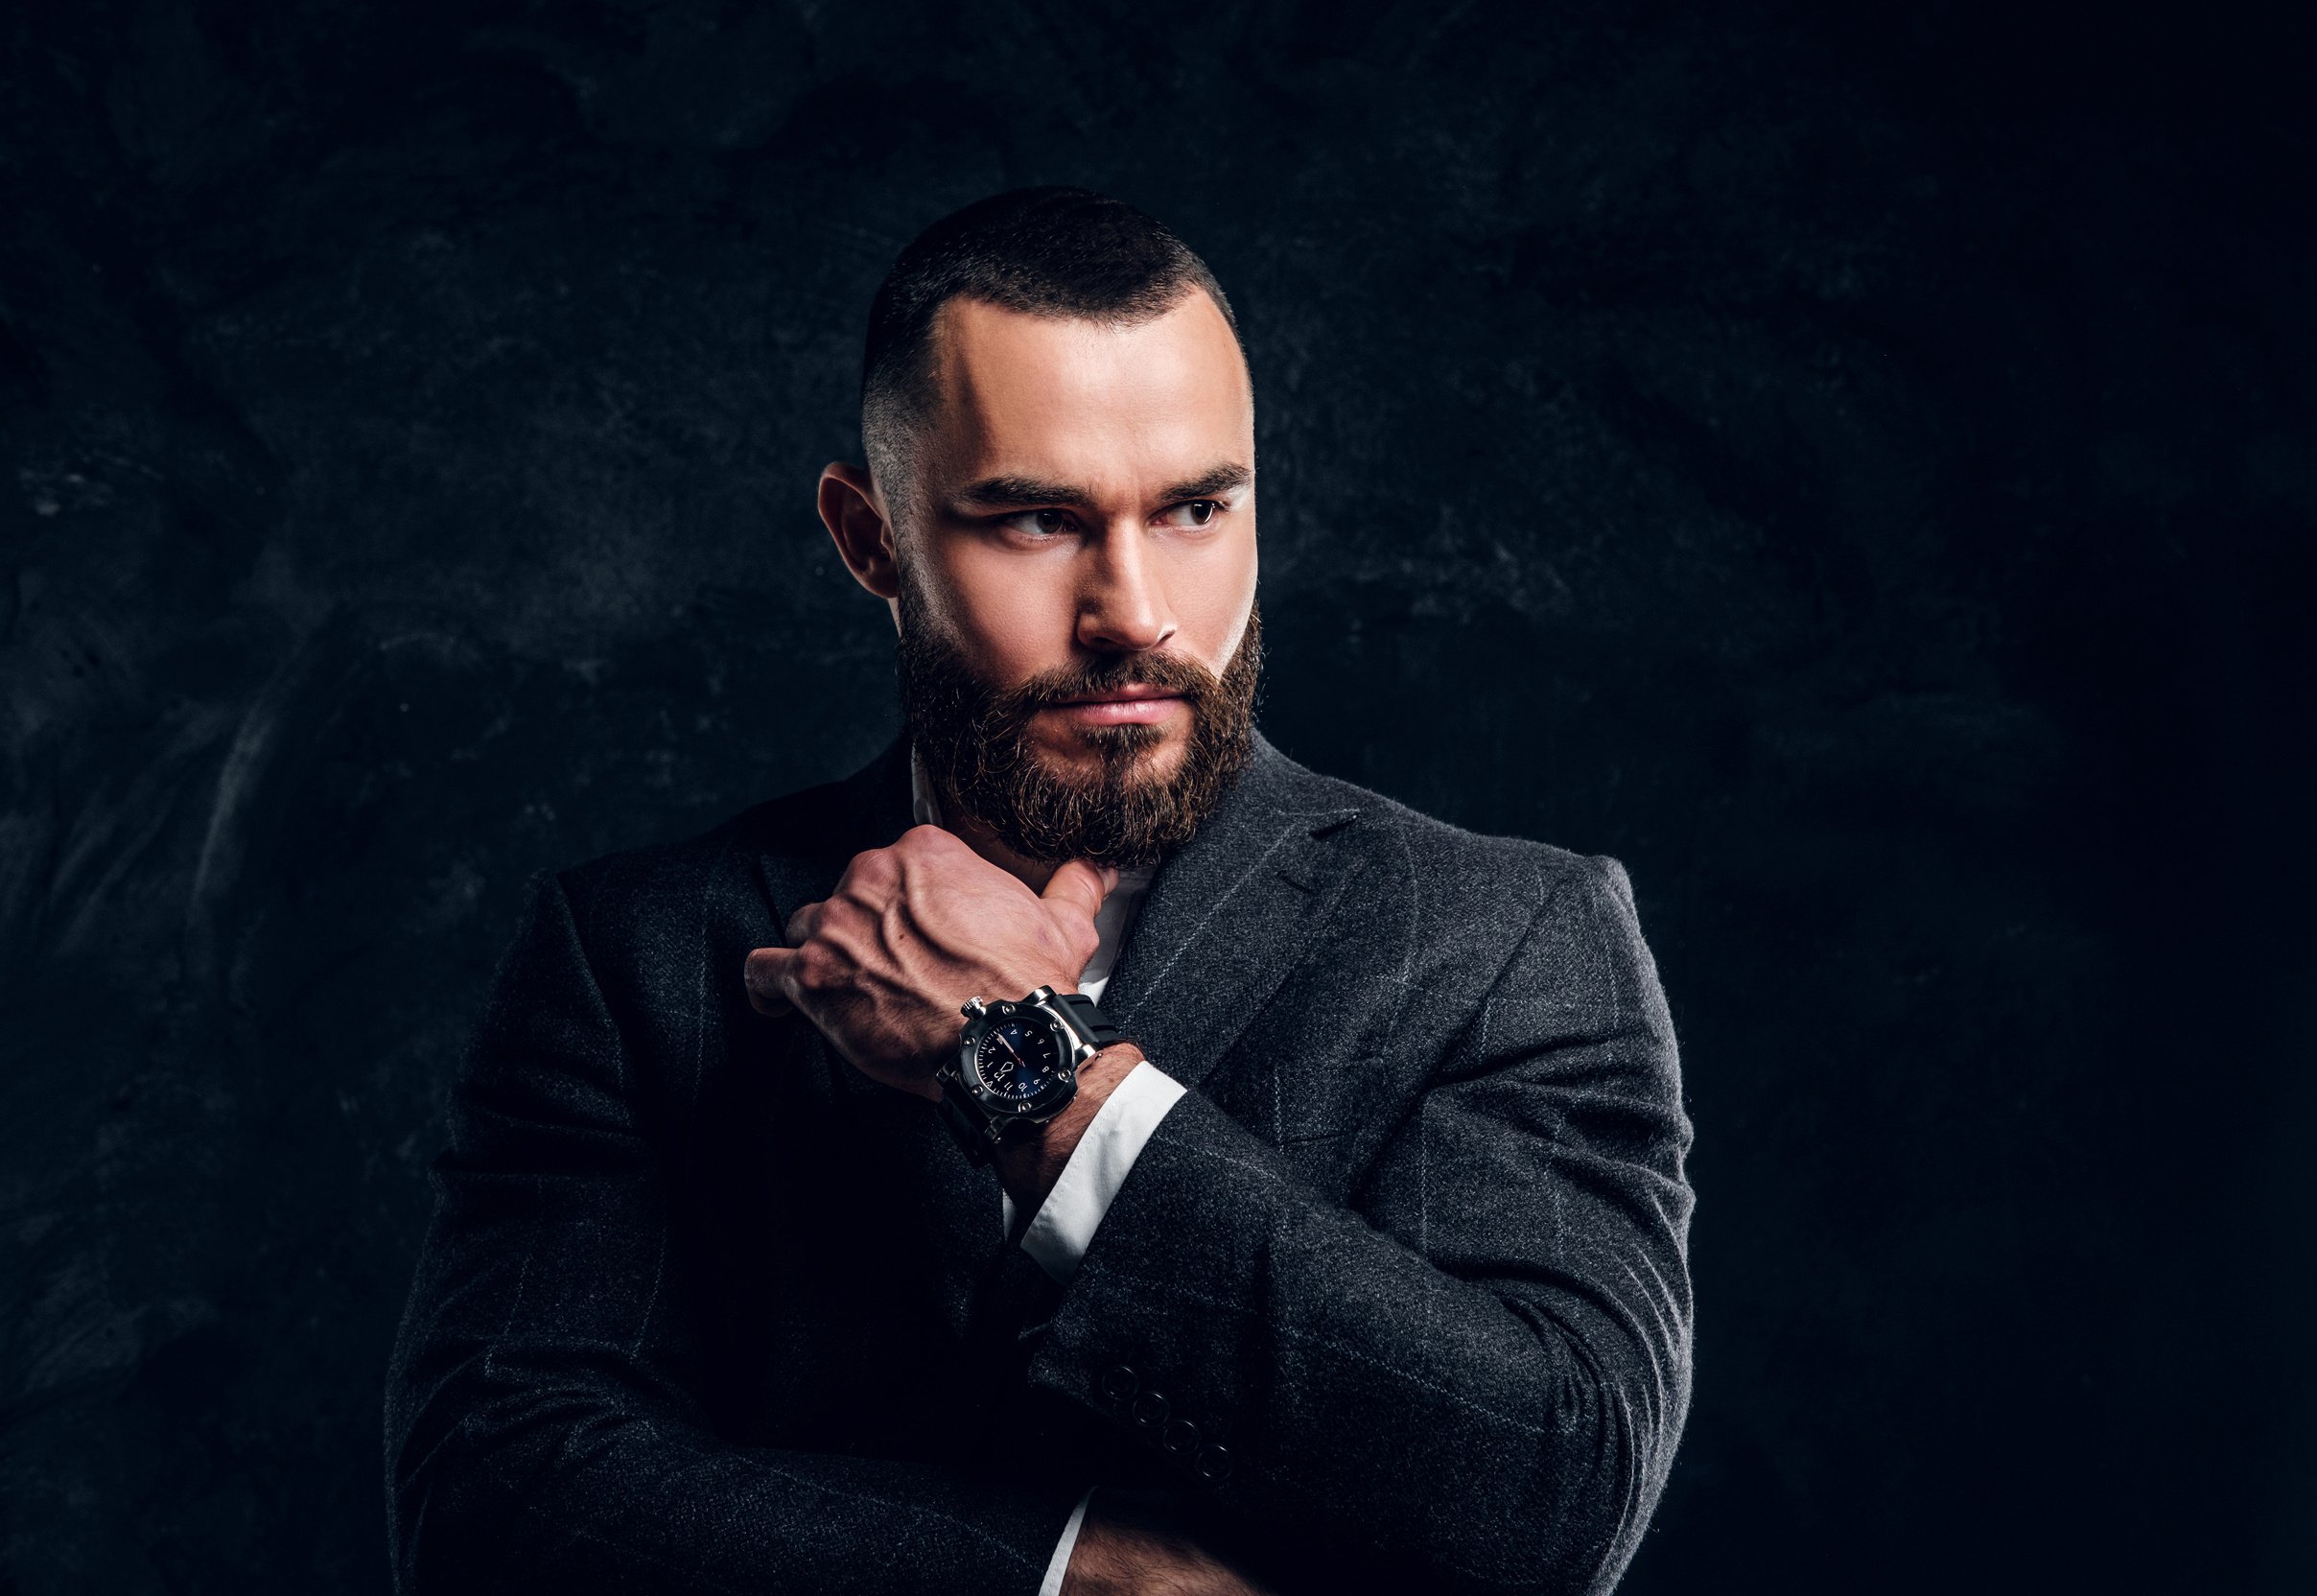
x=1474, y=1377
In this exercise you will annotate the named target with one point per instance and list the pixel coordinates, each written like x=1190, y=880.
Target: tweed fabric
x=1397, y=1292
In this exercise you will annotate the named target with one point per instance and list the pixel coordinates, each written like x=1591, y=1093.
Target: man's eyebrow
x=1213, y=483
x=998, y=493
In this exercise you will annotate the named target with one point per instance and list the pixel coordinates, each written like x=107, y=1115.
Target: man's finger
x=763, y=973
x=1081, y=885
x=801, y=923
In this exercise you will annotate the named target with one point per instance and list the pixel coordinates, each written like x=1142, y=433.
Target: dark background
x=1856, y=469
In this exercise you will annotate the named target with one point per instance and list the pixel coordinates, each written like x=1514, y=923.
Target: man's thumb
x=1081, y=884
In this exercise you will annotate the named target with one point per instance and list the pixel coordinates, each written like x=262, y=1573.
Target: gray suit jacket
x=1397, y=1291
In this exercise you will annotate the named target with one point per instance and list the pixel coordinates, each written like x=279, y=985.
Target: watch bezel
x=1000, y=1110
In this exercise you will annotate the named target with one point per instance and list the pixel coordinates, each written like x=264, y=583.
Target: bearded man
x=1084, y=1151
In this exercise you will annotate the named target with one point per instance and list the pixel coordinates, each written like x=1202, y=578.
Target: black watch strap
x=972, y=1139
x=1082, y=1008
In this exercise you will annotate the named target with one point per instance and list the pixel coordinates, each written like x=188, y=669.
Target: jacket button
x=1119, y=1384
x=1150, y=1410
x=1182, y=1438
x=1215, y=1464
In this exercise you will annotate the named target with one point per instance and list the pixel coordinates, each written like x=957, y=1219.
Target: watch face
x=1017, y=1060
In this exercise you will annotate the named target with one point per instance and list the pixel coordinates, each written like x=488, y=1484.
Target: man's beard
x=976, y=746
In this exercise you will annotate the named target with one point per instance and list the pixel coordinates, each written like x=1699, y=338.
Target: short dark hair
x=1046, y=251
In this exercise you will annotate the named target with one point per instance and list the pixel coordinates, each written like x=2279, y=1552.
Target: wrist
x=1029, y=1166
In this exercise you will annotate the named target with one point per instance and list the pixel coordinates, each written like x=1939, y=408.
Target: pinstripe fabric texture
x=1398, y=1294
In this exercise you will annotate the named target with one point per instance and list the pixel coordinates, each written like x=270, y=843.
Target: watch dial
x=1016, y=1059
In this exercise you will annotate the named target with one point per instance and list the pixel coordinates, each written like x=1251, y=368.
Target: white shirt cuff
x=1064, y=1227
x=1059, y=1564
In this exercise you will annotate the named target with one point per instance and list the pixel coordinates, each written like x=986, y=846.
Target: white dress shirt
x=1064, y=1226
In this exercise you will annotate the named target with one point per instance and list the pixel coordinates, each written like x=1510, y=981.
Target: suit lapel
x=1228, y=917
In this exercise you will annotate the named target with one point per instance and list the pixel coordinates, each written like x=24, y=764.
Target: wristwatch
x=1017, y=1064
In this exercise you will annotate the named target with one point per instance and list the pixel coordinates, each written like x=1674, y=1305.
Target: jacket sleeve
x=545, y=1423
x=1473, y=1378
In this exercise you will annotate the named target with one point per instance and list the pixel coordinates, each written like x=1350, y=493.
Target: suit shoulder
x=722, y=864
x=1447, y=855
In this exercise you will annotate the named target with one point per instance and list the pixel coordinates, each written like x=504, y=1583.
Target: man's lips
x=1128, y=705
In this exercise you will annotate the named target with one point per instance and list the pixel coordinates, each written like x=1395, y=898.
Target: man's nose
x=1122, y=605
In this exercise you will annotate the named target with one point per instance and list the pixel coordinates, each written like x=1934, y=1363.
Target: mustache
x=1167, y=672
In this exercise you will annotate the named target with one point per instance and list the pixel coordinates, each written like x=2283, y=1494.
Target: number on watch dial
x=1015, y=1059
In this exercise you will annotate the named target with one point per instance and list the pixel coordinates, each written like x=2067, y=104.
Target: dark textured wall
x=1858, y=470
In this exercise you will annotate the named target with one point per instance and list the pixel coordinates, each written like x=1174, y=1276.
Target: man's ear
x=865, y=540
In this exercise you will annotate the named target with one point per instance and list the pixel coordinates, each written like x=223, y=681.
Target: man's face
x=1077, y=574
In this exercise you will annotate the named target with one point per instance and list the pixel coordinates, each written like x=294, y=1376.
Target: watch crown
x=976, y=1008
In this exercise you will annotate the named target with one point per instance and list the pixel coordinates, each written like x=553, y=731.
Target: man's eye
x=1040, y=523
x=1199, y=512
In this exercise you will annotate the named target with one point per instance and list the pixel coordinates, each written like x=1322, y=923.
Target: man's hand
x=885, y=964
x=1143, y=1543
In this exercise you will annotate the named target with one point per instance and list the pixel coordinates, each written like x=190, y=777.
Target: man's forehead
x=1067, y=398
